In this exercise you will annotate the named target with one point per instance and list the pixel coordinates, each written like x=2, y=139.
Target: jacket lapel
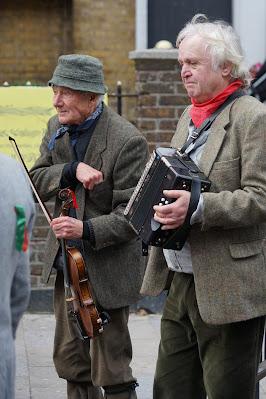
x=214, y=142
x=181, y=133
x=98, y=143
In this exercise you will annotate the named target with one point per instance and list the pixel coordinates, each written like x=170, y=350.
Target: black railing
x=120, y=95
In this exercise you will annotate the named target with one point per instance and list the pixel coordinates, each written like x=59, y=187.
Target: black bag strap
x=208, y=122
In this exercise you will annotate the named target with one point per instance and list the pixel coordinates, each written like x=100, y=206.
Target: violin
x=89, y=322
x=78, y=294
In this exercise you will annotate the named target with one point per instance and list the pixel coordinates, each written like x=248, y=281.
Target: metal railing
x=120, y=95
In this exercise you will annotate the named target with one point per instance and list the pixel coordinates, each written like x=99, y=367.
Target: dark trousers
x=88, y=365
x=196, y=359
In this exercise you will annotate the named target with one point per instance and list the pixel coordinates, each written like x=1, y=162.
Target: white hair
x=99, y=97
x=222, y=44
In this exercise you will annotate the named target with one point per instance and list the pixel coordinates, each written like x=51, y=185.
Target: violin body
x=83, y=304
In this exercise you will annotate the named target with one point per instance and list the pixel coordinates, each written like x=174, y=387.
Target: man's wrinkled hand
x=88, y=176
x=173, y=215
x=66, y=227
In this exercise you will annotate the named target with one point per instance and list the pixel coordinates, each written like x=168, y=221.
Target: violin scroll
x=68, y=198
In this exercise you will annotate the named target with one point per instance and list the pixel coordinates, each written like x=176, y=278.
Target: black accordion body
x=167, y=169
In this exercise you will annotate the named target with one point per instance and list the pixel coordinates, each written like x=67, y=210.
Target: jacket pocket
x=228, y=164
x=225, y=175
x=245, y=249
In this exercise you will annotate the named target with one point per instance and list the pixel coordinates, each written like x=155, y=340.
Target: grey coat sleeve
x=113, y=228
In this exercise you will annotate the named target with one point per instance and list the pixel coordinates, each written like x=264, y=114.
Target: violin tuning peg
x=99, y=321
x=100, y=330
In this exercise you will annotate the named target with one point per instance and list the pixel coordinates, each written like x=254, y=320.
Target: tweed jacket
x=228, y=248
x=115, y=264
x=15, y=266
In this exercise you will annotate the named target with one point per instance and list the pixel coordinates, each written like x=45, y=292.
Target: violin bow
x=42, y=205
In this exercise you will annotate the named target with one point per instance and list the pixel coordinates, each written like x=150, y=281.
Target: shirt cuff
x=198, y=213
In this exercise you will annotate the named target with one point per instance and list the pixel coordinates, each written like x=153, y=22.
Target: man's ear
x=93, y=97
x=227, y=69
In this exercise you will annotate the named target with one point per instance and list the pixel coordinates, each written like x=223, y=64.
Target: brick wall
x=37, y=248
x=162, y=96
x=35, y=32
x=106, y=30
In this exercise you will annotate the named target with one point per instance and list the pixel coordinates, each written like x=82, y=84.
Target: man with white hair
x=213, y=321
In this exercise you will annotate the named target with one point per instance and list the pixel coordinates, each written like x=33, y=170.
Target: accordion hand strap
x=182, y=233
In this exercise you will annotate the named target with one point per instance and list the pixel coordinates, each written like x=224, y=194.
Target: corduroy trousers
x=197, y=360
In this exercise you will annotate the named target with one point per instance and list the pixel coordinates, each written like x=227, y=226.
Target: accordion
x=167, y=169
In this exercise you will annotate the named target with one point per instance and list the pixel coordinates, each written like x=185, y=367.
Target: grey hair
x=222, y=43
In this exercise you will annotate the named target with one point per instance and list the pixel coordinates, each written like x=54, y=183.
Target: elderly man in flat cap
x=100, y=156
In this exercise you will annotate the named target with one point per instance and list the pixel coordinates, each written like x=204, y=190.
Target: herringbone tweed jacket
x=228, y=248
x=115, y=264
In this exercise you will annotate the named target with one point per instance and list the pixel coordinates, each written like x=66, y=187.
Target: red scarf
x=201, y=111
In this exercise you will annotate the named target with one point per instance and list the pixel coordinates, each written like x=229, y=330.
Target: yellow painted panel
x=24, y=112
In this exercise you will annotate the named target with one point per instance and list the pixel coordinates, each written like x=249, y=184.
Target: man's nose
x=185, y=71
x=57, y=100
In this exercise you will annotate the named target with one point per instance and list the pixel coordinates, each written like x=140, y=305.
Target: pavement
x=36, y=377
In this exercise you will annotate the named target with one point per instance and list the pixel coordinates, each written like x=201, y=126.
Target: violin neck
x=65, y=263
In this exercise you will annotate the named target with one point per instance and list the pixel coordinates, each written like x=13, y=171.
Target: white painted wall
x=141, y=24
x=249, y=20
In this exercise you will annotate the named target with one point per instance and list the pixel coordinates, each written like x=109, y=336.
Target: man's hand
x=88, y=176
x=67, y=227
x=173, y=215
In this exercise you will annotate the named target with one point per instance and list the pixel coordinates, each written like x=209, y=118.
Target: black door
x=167, y=17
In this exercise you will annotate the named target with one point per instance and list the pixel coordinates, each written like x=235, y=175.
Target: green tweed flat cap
x=79, y=72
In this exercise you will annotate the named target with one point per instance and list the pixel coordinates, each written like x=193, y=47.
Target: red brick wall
x=162, y=96
x=33, y=33
x=106, y=30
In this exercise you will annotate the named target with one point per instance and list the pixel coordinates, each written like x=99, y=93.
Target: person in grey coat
x=100, y=156
x=213, y=320
x=17, y=212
